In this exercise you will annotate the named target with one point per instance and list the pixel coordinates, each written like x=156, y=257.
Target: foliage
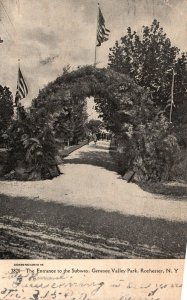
x=31, y=146
x=145, y=142
x=63, y=101
x=6, y=111
x=158, y=150
x=64, y=109
x=149, y=60
x=94, y=125
x=141, y=130
x=62, y=125
x=69, y=124
x=178, y=171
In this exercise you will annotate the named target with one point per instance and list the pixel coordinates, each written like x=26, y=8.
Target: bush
x=148, y=149
x=179, y=168
x=32, y=148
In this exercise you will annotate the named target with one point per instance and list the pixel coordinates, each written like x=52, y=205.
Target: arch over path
x=113, y=93
x=127, y=109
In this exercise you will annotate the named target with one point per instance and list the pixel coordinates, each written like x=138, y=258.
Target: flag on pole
x=170, y=103
x=22, y=89
x=102, y=31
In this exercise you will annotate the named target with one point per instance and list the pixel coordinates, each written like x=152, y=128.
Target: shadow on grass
x=94, y=158
x=168, y=236
x=173, y=190
x=100, y=146
x=65, y=152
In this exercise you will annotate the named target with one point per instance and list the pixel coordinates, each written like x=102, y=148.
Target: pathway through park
x=89, y=211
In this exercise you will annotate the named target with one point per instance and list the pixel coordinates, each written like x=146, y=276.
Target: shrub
x=32, y=147
x=148, y=148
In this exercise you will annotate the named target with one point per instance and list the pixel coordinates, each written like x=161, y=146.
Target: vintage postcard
x=93, y=149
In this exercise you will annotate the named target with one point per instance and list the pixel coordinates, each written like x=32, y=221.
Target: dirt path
x=89, y=212
x=89, y=180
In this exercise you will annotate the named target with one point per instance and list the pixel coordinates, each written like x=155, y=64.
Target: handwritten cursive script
x=31, y=284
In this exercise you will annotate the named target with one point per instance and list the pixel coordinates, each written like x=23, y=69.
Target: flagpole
x=95, y=56
x=18, y=64
x=18, y=84
x=172, y=95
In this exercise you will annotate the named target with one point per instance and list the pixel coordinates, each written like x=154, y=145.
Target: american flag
x=102, y=31
x=22, y=89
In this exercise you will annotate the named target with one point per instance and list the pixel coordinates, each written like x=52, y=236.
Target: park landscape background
x=133, y=96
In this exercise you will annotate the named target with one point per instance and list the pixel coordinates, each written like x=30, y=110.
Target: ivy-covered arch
x=127, y=110
x=116, y=95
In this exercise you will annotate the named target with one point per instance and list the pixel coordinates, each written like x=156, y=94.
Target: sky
x=47, y=35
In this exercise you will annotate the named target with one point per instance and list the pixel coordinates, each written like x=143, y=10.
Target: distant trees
x=94, y=125
x=6, y=107
x=6, y=113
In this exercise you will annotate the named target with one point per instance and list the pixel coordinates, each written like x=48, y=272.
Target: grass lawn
x=68, y=150
x=174, y=189
x=38, y=228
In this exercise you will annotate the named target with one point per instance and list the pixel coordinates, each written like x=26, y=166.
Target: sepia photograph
x=93, y=130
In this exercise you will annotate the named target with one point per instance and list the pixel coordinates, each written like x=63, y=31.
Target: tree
x=149, y=60
x=6, y=105
x=94, y=125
